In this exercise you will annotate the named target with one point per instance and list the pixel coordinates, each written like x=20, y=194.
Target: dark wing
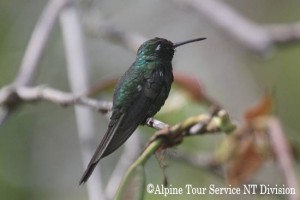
x=112, y=128
x=118, y=132
x=133, y=117
x=124, y=122
x=164, y=86
x=149, y=101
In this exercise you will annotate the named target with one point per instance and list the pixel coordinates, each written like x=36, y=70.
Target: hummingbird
x=139, y=95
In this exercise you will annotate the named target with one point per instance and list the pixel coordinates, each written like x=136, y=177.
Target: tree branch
x=34, y=94
x=38, y=42
x=169, y=137
x=255, y=37
x=34, y=52
x=44, y=93
x=284, y=33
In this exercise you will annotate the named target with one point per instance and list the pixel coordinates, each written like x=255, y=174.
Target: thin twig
x=34, y=94
x=158, y=125
x=43, y=93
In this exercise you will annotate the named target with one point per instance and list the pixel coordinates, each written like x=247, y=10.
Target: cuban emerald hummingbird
x=139, y=94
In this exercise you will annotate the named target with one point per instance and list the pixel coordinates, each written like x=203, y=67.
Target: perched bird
x=139, y=94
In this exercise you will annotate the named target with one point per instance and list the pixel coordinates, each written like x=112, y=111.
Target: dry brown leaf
x=247, y=160
x=264, y=107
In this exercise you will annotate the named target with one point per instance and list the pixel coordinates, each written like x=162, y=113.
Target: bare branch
x=284, y=33
x=38, y=41
x=58, y=97
x=39, y=93
x=217, y=121
x=34, y=51
x=151, y=122
x=258, y=38
x=246, y=32
x=44, y=93
x=255, y=37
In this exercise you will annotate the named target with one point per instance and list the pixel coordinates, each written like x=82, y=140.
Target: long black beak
x=177, y=44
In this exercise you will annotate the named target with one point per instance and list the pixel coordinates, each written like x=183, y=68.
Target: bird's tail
x=102, y=148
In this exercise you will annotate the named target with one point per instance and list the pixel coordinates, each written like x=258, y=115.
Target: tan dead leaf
x=247, y=161
x=264, y=107
x=251, y=151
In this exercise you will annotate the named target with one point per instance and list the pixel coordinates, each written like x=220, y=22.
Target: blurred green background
x=39, y=149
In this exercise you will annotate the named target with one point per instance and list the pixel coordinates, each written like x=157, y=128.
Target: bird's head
x=160, y=48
